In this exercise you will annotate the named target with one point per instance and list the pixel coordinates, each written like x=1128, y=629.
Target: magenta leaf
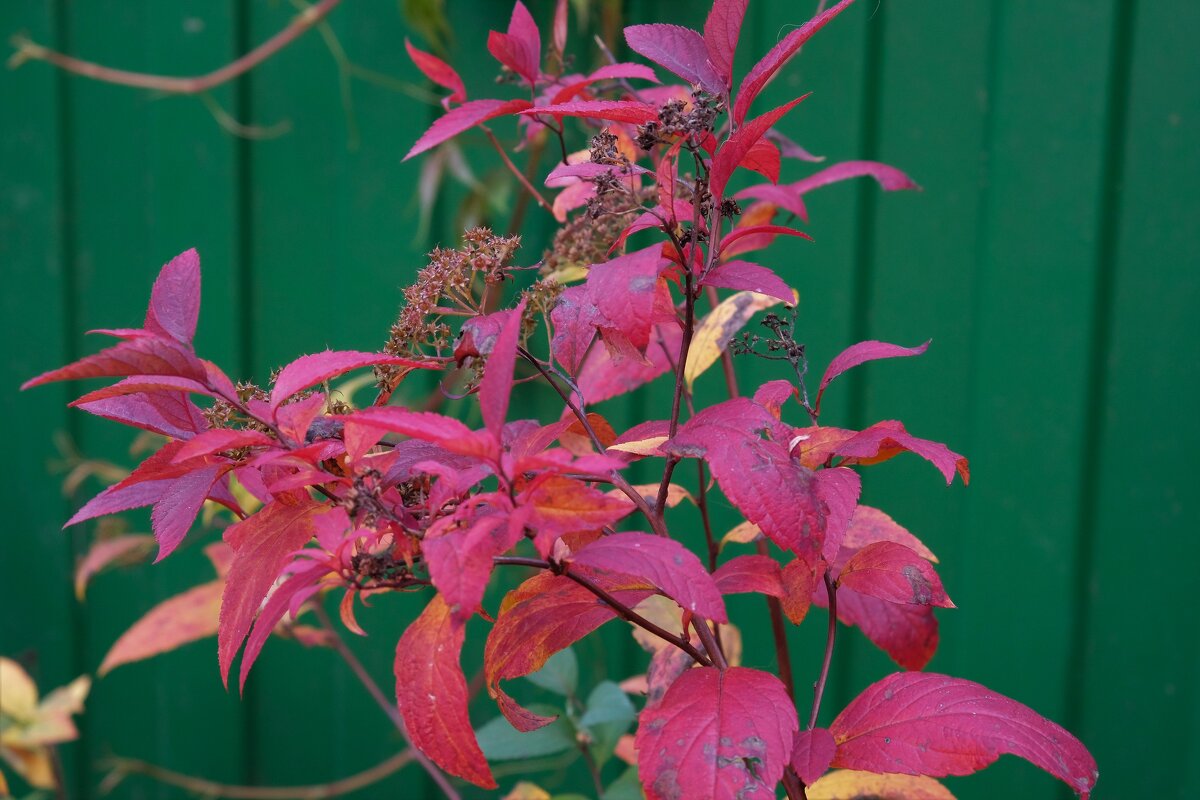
x=788, y=196
x=813, y=753
x=895, y=573
x=770, y=231
x=313, y=369
x=631, y=111
x=780, y=54
x=860, y=354
x=144, y=384
x=521, y=48
x=604, y=376
x=465, y=117
x=907, y=633
x=460, y=560
x=439, y=72
x=872, y=525
x=496, y=386
x=884, y=439
x=178, y=506
x=751, y=573
x=679, y=49
x=721, y=31
x=839, y=489
x=735, y=149
x=928, y=724
x=759, y=476
x=744, y=276
x=631, y=294
x=573, y=320
x=295, y=590
x=144, y=355
x=175, y=299
x=664, y=563
x=716, y=734
x=262, y=544
x=172, y=414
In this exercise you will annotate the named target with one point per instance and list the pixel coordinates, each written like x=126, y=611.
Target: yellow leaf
x=663, y=612
x=676, y=494
x=642, y=447
x=713, y=333
x=33, y=764
x=568, y=273
x=847, y=784
x=527, y=791
x=18, y=692
x=745, y=533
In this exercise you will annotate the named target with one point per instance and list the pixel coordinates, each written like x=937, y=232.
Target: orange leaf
x=174, y=622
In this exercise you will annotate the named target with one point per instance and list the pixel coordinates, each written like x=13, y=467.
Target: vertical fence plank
x=154, y=177
x=333, y=213
x=914, y=279
x=35, y=572
x=1134, y=691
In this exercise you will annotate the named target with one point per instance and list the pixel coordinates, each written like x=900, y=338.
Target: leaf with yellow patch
x=527, y=791
x=676, y=494
x=742, y=533
x=30, y=727
x=713, y=333
x=849, y=784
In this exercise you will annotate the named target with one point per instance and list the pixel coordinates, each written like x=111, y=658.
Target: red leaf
x=144, y=384
x=883, y=440
x=313, y=369
x=770, y=231
x=872, y=525
x=768, y=65
x=175, y=299
x=574, y=321
x=664, y=563
x=813, y=753
x=772, y=490
x=521, y=48
x=218, y=440
x=744, y=276
x=439, y=72
x=446, y=432
x=721, y=31
x=543, y=615
x=629, y=292
x=118, y=549
x=735, y=149
x=750, y=574
x=716, y=734
x=764, y=158
x=262, y=545
x=465, y=117
x=603, y=376
x=292, y=592
x=431, y=692
x=171, y=414
x=860, y=354
x=176, y=510
x=681, y=50
x=496, y=385
x=907, y=633
x=631, y=111
x=894, y=573
x=145, y=355
x=460, y=560
x=172, y=623
x=799, y=581
x=788, y=195
x=927, y=724
x=564, y=505
x=839, y=489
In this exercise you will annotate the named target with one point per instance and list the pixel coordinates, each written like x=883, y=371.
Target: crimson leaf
x=466, y=116
x=894, y=573
x=679, y=49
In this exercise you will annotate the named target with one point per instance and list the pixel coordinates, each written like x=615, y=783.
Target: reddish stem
x=830, y=638
x=508, y=162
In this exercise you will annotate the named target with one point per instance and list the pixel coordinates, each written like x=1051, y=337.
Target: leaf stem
x=389, y=708
x=830, y=638
x=31, y=51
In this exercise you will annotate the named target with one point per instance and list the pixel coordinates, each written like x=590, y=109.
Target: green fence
x=1052, y=257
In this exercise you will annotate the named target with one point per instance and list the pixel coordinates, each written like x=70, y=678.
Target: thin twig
x=201, y=786
x=31, y=51
x=830, y=638
x=529, y=187
x=382, y=701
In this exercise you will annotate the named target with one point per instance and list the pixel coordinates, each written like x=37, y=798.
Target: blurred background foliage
x=1052, y=257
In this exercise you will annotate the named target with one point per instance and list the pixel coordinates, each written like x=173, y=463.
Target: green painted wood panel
x=1051, y=257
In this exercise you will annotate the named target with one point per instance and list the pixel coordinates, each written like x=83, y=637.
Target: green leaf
x=609, y=714
x=560, y=673
x=500, y=741
x=626, y=787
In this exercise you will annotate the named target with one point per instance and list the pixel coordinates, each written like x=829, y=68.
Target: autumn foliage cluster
x=647, y=278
